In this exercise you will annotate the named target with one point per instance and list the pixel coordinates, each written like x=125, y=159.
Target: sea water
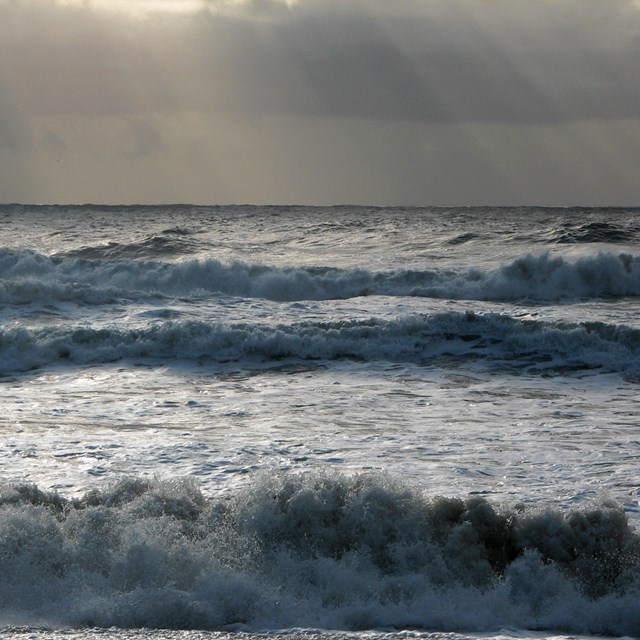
x=319, y=423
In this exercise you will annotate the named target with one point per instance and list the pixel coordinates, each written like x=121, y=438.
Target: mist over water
x=248, y=419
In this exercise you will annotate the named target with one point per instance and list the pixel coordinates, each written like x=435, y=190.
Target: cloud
x=455, y=61
x=53, y=143
x=429, y=61
x=320, y=101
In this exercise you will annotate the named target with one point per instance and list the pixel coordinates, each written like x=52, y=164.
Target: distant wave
x=27, y=276
x=316, y=551
x=500, y=340
x=592, y=232
x=172, y=242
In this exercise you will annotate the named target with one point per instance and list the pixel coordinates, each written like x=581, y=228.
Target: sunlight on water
x=201, y=430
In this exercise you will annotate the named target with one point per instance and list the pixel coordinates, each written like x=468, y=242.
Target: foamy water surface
x=241, y=418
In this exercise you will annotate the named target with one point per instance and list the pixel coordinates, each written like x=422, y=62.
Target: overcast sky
x=405, y=102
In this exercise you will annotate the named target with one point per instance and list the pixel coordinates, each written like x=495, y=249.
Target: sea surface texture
x=248, y=422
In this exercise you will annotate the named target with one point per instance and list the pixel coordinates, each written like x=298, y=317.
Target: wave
x=499, y=340
x=590, y=232
x=313, y=551
x=172, y=242
x=28, y=276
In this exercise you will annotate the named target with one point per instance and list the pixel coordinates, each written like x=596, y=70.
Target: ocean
x=319, y=423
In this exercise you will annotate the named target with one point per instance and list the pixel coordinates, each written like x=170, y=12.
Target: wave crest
x=500, y=340
x=31, y=277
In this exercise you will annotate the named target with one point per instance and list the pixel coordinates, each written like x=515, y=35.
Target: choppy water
x=352, y=421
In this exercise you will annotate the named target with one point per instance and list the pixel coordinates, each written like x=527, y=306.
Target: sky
x=373, y=102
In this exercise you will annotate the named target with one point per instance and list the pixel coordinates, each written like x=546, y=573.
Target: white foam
x=336, y=552
x=498, y=339
x=28, y=276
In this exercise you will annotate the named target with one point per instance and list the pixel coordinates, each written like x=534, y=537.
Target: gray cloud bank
x=461, y=60
x=474, y=77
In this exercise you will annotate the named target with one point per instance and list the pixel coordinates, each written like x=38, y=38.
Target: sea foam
x=313, y=550
x=27, y=276
x=498, y=340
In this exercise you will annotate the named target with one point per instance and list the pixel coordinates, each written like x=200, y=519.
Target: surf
x=95, y=276
x=335, y=551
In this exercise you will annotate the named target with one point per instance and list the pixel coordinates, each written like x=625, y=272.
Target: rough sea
x=308, y=423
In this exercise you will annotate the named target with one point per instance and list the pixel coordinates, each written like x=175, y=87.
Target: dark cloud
x=322, y=101
x=454, y=61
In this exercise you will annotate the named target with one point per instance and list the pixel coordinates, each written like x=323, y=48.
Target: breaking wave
x=506, y=342
x=314, y=551
x=27, y=276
